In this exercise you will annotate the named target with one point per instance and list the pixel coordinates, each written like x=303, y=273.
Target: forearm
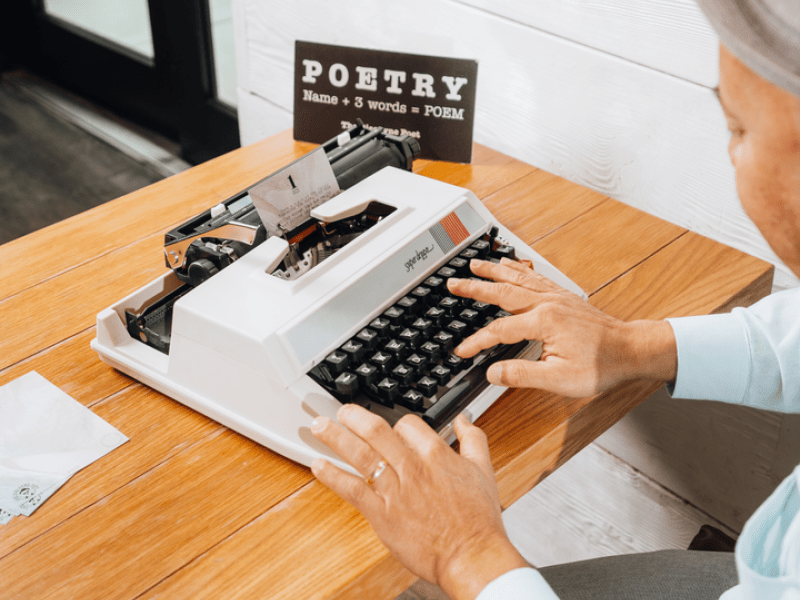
x=647, y=350
x=470, y=572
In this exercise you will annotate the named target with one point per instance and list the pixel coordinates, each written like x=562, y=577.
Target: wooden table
x=190, y=509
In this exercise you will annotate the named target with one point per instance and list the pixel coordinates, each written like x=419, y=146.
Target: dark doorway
x=151, y=61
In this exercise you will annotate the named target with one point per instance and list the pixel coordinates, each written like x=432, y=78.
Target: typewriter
x=264, y=331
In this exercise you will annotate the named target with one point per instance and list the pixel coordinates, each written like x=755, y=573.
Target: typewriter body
x=284, y=332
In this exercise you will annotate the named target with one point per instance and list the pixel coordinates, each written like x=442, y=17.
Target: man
x=438, y=511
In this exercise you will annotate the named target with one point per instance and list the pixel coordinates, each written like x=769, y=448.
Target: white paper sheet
x=45, y=438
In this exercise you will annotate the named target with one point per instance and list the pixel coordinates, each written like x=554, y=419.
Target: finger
x=507, y=270
x=514, y=272
x=348, y=486
x=520, y=373
x=418, y=435
x=346, y=444
x=518, y=265
x=505, y=295
x=508, y=330
x=375, y=431
x=474, y=445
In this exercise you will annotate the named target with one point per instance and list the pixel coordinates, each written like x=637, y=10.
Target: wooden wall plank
x=143, y=532
x=722, y=458
x=644, y=137
x=669, y=36
x=262, y=117
x=596, y=505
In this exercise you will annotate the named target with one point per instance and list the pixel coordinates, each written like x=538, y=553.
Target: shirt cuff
x=519, y=584
x=713, y=358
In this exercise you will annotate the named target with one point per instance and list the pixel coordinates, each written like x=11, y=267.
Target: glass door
x=125, y=23
x=165, y=64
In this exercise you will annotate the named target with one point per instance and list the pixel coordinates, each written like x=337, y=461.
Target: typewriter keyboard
x=403, y=360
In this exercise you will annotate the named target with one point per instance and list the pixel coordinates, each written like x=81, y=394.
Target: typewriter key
x=412, y=399
x=388, y=390
x=369, y=338
x=411, y=337
x=337, y=361
x=367, y=373
x=427, y=386
x=355, y=349
x=444, y=339
x=403, y=374
x=440, y=374
x=346, y=383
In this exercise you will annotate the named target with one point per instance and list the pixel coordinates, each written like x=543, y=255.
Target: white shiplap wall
x=613, y=95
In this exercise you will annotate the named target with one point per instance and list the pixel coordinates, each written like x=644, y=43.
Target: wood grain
x=539, y=203
x=68, y=303
x=157, y=428
x=692, y=276
x=74, y=367
x=190, y=509
x=143, y=532
x=314, y=527
x=489, y=171
x=618, y=239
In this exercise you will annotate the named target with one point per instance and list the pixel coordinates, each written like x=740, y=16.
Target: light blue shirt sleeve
x=768, y=551
x=750, y=356
x=519, y=584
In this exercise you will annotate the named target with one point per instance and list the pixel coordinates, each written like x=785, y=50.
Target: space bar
x=463, y=392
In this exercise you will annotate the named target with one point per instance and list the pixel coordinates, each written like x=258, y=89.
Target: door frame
x=173, y=93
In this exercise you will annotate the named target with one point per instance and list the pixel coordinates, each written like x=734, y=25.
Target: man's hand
x=585, y=351
x=437, y=511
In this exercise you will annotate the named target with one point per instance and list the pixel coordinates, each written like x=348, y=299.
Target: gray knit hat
x=763, y=34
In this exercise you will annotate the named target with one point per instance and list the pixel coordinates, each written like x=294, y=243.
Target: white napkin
x=45, y=438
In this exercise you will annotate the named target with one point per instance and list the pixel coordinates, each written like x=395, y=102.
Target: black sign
x=428, y=97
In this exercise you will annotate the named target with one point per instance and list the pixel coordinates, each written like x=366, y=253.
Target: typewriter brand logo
x=419, y=256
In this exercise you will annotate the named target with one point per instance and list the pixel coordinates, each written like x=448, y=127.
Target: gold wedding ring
x=377, y=472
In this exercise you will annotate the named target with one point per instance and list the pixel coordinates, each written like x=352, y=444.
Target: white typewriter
x=283, y=334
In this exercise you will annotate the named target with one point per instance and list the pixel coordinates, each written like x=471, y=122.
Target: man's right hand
x=584, y=350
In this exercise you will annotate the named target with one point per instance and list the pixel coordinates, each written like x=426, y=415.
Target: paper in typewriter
x=285, y=200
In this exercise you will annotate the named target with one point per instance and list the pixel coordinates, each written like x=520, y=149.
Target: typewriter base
x=244, y=400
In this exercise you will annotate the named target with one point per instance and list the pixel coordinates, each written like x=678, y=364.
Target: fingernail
x=453, y=280
x=495, y=374
x=317, y=424
x=317, y=465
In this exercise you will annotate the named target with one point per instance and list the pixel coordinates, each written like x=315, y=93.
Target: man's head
x=760, y=95
x=764, y=121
